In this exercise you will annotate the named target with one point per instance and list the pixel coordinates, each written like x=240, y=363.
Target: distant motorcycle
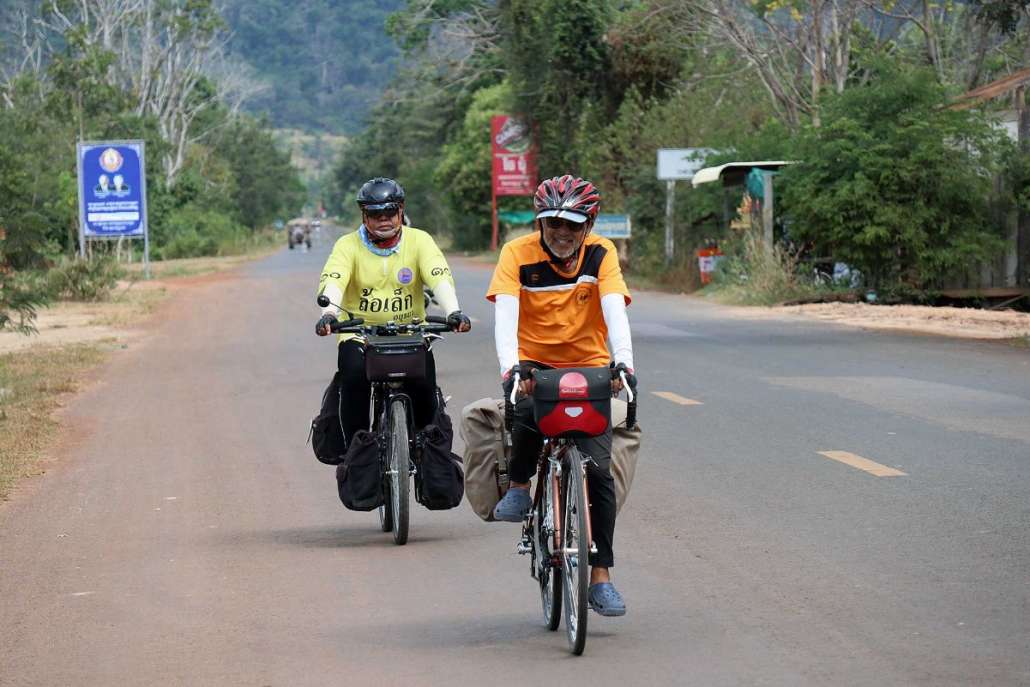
x=299, y=236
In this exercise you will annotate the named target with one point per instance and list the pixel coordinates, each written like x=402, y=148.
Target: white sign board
x=612, y=226
x=680, y=163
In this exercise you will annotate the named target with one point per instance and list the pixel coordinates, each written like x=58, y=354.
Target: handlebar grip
x=357, y=321
x=631, y=414
x=509, y=404
x=436, y=319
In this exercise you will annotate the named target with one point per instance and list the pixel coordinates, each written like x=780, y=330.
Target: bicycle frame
x=552, y=462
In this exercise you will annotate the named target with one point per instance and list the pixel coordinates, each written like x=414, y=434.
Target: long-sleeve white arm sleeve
x=446, y=296
x=332, y=291
x=613, y=306
x=506, y=331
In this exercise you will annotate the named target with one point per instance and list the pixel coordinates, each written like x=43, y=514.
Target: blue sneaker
x=514, y=506
x=606, y=600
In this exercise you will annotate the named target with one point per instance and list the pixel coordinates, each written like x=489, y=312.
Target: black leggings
x=356, y=392
x=526, y=445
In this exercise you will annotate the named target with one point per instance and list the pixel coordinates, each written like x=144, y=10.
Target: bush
x=194, y=232
x=83, y=280
x=896, y=184
x=755, y=274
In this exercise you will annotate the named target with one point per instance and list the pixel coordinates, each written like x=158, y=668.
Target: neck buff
x=382, y=249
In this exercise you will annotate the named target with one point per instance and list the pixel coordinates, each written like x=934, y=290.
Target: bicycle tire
x=385, y=512
x=575, y=551
x=548, y=576
x=400, y=471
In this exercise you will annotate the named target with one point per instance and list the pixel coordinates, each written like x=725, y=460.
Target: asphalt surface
x=187, y=536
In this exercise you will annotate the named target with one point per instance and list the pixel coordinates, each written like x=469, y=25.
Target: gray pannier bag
x=486, y=454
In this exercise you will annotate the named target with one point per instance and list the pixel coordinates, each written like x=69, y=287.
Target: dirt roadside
x=40, y=373
x=965, y=323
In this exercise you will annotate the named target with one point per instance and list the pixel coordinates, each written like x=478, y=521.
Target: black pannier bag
x=440, y=480
x=359, y=477
x=395, y=358
x=573, y=402
x=326, y=434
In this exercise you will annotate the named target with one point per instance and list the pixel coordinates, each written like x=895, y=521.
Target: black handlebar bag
x=573, y=402
x=400, y=358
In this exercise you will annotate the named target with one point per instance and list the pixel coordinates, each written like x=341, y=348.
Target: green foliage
x=78, y=279
x=559, y=64
x=895, y=184
x=191, y=231
x=20, y=295
x=324, y=63
x=460, y=173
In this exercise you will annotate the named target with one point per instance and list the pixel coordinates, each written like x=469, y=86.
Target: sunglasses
x=383, y=213
x=561, y=223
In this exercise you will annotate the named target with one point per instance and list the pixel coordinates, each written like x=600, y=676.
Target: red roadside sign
x=513, y=160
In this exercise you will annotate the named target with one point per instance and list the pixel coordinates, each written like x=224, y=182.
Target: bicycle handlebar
x=431, y=325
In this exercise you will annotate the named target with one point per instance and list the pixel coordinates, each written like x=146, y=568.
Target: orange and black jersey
x=560, y=319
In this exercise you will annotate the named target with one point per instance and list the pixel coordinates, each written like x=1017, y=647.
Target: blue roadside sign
x=112, y=189
x=613, y=226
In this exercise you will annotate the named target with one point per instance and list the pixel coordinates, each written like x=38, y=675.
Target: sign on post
x=112, y=193
x=680, y=164
x=612, y=226
x=675, y=164
x=513, y=163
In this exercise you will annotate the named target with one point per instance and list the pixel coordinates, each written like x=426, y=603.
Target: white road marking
x=856, y=461
x=676, y=398
x=171, y=498
x=82, y=593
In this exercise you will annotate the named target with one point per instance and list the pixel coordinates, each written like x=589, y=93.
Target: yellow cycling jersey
x=378, y=288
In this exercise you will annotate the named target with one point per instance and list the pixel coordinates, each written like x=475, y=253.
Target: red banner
x=514, y=158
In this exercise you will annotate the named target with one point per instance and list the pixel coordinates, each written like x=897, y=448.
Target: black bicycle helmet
x=379, y=194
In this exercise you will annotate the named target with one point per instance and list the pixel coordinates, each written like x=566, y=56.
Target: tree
x=895, y=184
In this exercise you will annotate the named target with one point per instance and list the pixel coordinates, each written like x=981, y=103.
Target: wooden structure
x=1013, y=269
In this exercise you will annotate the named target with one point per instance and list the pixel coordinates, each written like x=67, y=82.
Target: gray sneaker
x=514, y=506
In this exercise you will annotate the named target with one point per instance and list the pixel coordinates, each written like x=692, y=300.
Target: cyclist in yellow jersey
x=377, y=273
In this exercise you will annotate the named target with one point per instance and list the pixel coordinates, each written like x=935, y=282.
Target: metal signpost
x=676, y=164
x=113, y=193
x=613, y=226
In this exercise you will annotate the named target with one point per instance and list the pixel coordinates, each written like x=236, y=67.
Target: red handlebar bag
x=573, y=402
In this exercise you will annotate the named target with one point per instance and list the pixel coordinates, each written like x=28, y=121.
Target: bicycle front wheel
x=575, y=551
x=386, y=510
x=399, y=471
x=549, y=576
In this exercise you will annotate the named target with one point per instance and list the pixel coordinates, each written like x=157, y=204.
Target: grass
x=192, y=267
x=32, y=385
x=760, y=275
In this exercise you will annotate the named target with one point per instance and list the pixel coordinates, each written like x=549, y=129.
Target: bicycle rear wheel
x=575, y=551
x=549, y=576
x=399, y=471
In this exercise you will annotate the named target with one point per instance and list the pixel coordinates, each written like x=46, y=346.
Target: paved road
x=188, y=536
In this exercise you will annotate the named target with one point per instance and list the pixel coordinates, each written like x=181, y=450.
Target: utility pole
x=1023, y=225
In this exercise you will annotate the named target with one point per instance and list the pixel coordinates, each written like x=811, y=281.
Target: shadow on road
x=324, y=537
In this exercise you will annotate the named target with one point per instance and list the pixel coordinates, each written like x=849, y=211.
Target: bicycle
x=394, y=353
x=556, y=531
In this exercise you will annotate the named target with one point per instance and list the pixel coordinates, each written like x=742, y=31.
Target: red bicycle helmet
x=567, y=197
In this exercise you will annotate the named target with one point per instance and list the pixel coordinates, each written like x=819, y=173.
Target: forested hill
x=323, y=62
